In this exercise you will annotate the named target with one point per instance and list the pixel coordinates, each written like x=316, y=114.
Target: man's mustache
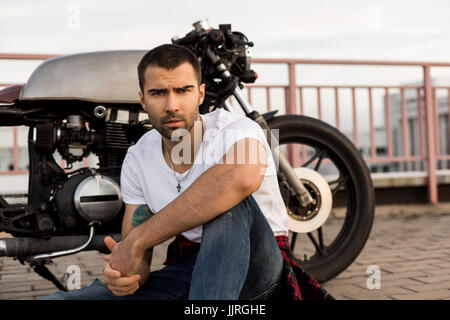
x=171, y=118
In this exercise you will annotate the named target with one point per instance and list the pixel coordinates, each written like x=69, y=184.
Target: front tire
x=334, y=156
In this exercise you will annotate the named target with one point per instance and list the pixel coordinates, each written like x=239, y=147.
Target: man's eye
x=183, y=90
x=157, y=93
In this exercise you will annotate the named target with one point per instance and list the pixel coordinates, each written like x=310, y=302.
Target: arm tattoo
x=140, y=215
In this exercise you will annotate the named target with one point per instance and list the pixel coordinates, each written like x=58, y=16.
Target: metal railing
x=427, y=111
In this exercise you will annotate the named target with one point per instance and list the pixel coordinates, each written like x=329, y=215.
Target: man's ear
x=201, y=89
x=141, y=100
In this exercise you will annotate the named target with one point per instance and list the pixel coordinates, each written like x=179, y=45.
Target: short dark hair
x=168, y=56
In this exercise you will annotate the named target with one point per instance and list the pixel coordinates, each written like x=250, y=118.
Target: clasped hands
x=126, y=268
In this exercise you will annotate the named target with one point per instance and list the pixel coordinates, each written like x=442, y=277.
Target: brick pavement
x=410, y=246
x=413, y=254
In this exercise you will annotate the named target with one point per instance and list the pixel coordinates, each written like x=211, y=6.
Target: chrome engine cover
x=98, y=198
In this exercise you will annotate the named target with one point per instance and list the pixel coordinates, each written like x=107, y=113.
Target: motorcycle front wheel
x=327, y=236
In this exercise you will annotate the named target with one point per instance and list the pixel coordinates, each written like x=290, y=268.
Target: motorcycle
x=87, y=103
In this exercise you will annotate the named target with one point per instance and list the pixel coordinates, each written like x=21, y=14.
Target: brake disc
x=304, y=220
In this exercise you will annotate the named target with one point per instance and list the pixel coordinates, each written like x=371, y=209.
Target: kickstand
x=40, y=268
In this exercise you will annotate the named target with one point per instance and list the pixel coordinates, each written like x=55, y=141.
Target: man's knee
x=233, y=222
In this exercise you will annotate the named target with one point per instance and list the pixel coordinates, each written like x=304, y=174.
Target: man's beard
x=168, y=133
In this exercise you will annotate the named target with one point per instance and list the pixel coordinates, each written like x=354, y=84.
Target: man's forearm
x=215, y=191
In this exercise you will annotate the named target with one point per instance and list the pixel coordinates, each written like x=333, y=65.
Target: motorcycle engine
x=87, y=194
x=109, y=134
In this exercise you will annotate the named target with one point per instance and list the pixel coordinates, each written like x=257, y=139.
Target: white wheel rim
x=326, y=204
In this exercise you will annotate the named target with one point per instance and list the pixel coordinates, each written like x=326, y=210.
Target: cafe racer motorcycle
x=87, y=103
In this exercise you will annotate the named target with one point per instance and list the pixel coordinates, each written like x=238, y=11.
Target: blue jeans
x=238, y=259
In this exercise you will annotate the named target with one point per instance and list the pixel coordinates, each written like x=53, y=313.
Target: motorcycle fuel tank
x=105, y=76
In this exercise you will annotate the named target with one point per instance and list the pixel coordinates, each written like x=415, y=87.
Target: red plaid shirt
x=298, y=284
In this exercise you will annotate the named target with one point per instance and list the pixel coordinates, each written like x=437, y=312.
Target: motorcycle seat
x=10, y=94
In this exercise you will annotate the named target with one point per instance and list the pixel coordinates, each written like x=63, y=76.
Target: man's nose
x=171, y=103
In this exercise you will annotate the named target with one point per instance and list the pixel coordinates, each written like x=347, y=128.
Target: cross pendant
x=178, y=187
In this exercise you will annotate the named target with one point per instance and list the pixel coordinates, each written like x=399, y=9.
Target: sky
x=323, y=29
x=400, y=30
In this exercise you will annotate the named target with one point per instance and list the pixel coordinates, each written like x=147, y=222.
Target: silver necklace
x=171, y=164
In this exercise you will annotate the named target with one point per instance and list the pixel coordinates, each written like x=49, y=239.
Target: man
x=210, y=180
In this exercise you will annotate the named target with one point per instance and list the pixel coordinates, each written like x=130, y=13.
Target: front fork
x=302, y=194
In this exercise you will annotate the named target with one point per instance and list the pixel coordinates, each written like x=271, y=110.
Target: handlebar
x=191, y=38
x=223, y=55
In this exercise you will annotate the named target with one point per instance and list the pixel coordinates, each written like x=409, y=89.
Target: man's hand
x=125, y=258
x=120, y=286
x=139, y=269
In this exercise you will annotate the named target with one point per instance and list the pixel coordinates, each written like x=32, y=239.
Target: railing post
x=293, y=150
x=431, y=150
x=291, y=107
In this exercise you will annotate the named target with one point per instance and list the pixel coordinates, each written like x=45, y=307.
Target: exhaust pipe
x=3, y=252
x=25, y=247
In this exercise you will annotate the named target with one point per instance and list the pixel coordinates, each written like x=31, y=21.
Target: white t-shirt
x=146, y=178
